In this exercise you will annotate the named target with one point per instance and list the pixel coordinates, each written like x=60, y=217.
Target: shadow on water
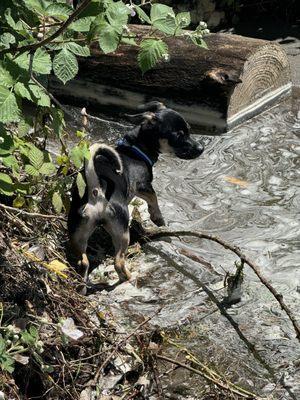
x=245, y=188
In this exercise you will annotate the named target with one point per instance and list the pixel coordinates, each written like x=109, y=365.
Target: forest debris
x=236, y=181
x=69, y=329
x=211, y=377
x=234, y=285
x=201, y=235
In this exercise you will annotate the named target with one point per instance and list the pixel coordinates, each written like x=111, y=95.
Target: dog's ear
x=152, y=106
x=142, y=118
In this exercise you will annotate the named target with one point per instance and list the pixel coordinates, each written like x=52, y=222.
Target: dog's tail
x=110, y=155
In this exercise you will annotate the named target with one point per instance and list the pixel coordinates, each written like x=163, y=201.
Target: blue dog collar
x=124, y=143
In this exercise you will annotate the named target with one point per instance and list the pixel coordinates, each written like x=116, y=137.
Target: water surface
x=245, y=188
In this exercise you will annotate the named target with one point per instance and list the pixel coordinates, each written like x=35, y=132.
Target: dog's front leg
x=148, y=194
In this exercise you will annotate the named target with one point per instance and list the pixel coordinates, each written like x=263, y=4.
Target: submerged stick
x=222, y=385
x=243, y=257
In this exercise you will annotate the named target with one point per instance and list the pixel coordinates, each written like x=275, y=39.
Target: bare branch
x=31, y=214
x=243, y=257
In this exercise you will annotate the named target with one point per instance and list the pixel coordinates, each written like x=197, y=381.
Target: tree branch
x=34, y=46
x=31, y=214
x=243, y=257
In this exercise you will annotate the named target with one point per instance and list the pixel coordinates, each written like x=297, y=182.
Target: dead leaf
x=236, y=181
x=69, y=329
x=21, y=359
x=57, y=267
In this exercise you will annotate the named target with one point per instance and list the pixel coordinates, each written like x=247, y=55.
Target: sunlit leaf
x=151, y=51
x=108, y=39
x=6, y=184
x=58, y=268
x=65, y=65
x=9, y=110
x=57, y=202
x=36, y=157
x=81, y=185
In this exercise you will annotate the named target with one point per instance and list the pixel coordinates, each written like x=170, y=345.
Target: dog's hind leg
x=120, y=238
x=79, y=241
x=148, y=194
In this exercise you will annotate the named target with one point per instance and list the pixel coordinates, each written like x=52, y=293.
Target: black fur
x=159, y=129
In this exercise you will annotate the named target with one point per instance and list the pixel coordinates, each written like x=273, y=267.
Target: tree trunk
x=236, y=78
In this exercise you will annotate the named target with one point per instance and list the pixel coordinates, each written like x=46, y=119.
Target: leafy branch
x=44, y=42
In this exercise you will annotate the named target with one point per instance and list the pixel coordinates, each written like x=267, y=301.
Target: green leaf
x=108, y=39
x=30, y=170
x=183, y=19
x=82, y=24
x=65, y=65
x=9, y=110
x=41, y=63
x=81, y=185
x=19, y=201
x=48, y=169
x=129, y=40
x=117, y=14
x=35, y=6
x=6, y=78
x=163, y=18
x=76, y=156
x=6, y=184
x=59, y=10
x=166, y=25
x=75, y=48
x=32, y=92
x=97, y=25
x=6, y=40
x=36, y=157
x=57, y=202
x=39, y=95
x=150, y=52
x=142, y=15
x=6, y=144
x=9, y=19
x=58, y=123
x=10, y=162
x=24, y=126
x=160, y=11
x=198, y=41
x=23, y=187
x=7, y=362
x=22, y=91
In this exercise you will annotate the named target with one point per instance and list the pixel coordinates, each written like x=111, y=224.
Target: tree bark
x=236, y=78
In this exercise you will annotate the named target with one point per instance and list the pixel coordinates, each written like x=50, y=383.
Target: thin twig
x=223, y=311
x=203, y=374
x=243, y=257
x=120, y=343
x=34, y=46
x=31, y=214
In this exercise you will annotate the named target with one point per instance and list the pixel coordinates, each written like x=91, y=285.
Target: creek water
x=245, y=188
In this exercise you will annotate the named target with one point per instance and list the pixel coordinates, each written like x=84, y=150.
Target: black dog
x=114, y=176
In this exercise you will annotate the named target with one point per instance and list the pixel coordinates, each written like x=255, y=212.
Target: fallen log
x=216, y=89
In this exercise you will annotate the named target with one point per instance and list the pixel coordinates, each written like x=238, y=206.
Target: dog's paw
x=124, y=276
x=159, y=221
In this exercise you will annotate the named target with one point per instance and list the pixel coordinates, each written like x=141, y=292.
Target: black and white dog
x=114, y=176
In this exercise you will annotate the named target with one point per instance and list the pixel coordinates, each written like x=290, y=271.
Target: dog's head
x=165, y=131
